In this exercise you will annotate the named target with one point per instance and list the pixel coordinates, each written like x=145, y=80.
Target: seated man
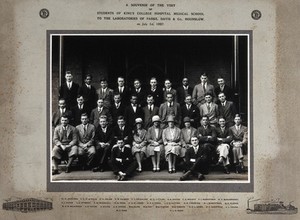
x=196, y=160
x=224, y=138
x=64, y=139
x=86, y=147
x=122, y=162
x=207, y=136
x=103, y=141
x=239, y=142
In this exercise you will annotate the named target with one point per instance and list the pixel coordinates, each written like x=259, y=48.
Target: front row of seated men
x=124, y=149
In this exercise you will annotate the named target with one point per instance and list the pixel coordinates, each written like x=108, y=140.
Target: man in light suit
x=97, y=112
x=226, y=109
x=149, y=111
x=65, y=140
x=197, y=160
x=86, y=147
x=190, y=110
x=183, y=91
x=168, y=89
x=69, y=90
x=105, y=93
x=88, y=92
x=170, y=108
x=62, y=109
x=209, y=109
x=201, y=89
x=239, y=142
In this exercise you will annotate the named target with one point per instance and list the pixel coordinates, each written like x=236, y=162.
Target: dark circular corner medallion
x=44, y=13
x=256, y=14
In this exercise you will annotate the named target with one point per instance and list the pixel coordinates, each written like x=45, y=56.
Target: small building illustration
x=27, y=205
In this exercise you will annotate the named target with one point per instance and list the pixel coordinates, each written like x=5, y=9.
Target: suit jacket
x=90, y=97
x=202, y=155
x=192, y=113
x=95, y=115
x=226, y=135
x=198, y=93
x=107, y=137
x=71, y=135
x=241, y=135
x=56, y=117
x=126, y=133
x=186, y=137
x=86, y=137
x=125, y=155
x=116, y=112
x=204, y=133
x=151, y=135
x=212, y=113
x=157, y=95
x=228, y=91
x=76, y=112
x=141, y=96
x=148, y=115
x=107, y=96
x=163, y=112
x=125, y=95
x=228, y=112
x=70, y=95
x=181, y=93
x=173, y=91
x=130, y=115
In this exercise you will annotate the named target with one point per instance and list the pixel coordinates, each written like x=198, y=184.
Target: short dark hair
x=103, y=79
x=121, y=117
x=84, y=114
x=88, y=75
x=205, y=116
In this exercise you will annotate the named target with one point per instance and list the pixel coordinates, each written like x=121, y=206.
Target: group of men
x=96, y=125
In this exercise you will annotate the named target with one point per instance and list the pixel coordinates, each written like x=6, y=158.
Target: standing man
x=222, y=87
x=183, y=91
x=78, y=110
x=226, y=109
x=117, y=108
x=97, y=112
x=190, y=110
x=62, y=110
x=149, y=111
x=65, y=140
x=168, y=89
x=197, y=160
x=170, y=108
x=140, y=92
x=201, y=89
x=239, y=143
x=86, y=147
x=69, y=90
x=88, y=92
x=209, y=109
x=155, y=92
x=105, y=93
x=133, y=111
x=122, y=90
x=103, y=140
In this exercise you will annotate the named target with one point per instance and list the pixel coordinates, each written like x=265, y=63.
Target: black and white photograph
x=150, y=107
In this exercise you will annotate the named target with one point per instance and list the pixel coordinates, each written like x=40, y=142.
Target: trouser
x=87, y=155
x=127, y=167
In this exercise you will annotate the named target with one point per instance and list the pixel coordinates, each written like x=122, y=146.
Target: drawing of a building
x=27, y=205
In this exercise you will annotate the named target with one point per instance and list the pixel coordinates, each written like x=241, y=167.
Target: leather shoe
x=96, y=169
x=55, y=172
x=185, y=176
x=226, y=170
x=68, y=170
x=201, y=177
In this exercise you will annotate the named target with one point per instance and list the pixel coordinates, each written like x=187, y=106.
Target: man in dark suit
x=122, y=90
x=149, y=111
x=122, y=162
x=168, y=89
x=69, y=90
x=226, y=109
x=222, y=87
x=78, y=110
x=97, y=112
x=132, y=112
x=65, y=140
x=190, y=110
x=88, y=92
x=122, y=130
x=155, y=92
x=86, y=145
x=197, y=160
x=183, y=91
x=170, y=108
x=224, y=138
x=105, y=93
x=239, y=142
x=103, y=140
x=117, y=108
x=62, y=109
x=140, y=92
x=201, y=89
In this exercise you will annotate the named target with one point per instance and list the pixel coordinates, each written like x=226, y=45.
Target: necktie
x=208, y=107
x=196, y=150
x=84, y=129
x=150, y=109
x=80, y=107
x=204, y=90
x=188, y=107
